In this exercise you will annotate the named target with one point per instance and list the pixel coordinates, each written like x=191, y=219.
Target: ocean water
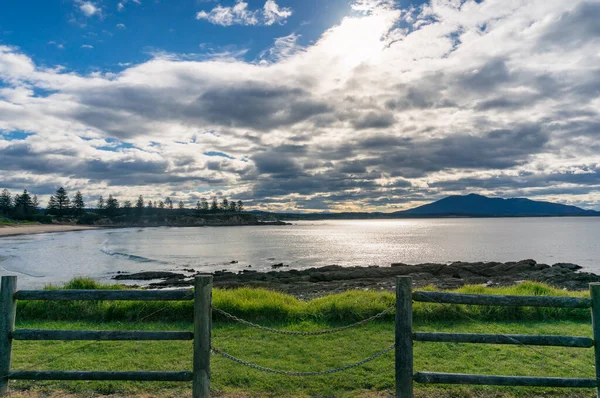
x=57, y=257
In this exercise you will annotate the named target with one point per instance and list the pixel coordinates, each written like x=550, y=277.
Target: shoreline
x=17, y=230
x=319, y=281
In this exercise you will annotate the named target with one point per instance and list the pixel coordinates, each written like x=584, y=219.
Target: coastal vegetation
x=303, y=353
x=62, y=208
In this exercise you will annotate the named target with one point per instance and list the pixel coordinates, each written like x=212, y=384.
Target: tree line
x=25, y=206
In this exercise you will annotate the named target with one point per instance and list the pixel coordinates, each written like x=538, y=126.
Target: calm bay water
x=58, y=257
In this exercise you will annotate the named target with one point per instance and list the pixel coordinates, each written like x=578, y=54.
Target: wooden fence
x=405, y=337
x=200, y=375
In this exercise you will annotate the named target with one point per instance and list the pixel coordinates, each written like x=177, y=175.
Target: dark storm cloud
x=252, y=105
x=127, y=171
x=257, y=106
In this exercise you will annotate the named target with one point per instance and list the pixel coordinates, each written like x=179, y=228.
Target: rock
x=233, y=262
x=279, y=265
x=569, y=266
x=148, y=275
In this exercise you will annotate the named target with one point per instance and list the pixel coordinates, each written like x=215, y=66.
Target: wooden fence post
x=8, y=309
x=595, y=295
x=404, y=344
x=202, y=330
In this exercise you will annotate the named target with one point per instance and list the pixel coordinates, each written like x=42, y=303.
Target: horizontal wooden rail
x=146, y=295
x=66, y=335
x=521, y=381
x=517, y=339
x=501, y=300
x=133, y=376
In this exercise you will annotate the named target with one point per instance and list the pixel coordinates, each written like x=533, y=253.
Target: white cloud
x=88, y=46
x=121, y=26
x=120, y=6
x=88, y=8
x=479, y=97
x=273, y=14
x=239, y=14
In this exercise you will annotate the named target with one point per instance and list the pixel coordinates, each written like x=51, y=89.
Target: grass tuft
x=264, y=305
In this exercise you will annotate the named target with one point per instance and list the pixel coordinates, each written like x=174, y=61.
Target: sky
x=302, y=105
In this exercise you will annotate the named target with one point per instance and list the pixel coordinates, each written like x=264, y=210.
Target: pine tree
x=214, y=206
x=127, y=205
x=23, y=206
x=62, y=202
x=204, y=204
x=51, y=208
x=232, y=206
x=36, y=204
x=150, y=206
x=198, y=207
x=112, y=206
x=78, y=205
x=139, y=206
x=100, y=204
x=240, y=205
x=181, y=205
x=161, y=204
x=225, y=204
x=169, y=203
x=5, y=202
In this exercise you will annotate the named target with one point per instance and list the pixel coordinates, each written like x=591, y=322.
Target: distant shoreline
x=15, y=230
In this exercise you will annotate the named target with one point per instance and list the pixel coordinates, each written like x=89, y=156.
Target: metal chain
x=291, y=332
x=292, y=373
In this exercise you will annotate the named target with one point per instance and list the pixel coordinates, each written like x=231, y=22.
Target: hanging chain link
x=292, y=373
x=291, y=332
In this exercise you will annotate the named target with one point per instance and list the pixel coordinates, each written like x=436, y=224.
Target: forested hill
x=471, y=205
x=478, y=205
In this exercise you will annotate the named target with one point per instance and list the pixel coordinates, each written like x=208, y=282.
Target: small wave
x=132, y=257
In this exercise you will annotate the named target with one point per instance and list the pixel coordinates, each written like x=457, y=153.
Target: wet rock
x=148, y=275
x=569, y=266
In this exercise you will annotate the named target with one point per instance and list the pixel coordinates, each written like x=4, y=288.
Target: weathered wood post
x=8, y=309
x=404, y=345
x=595, y=295
x=202, y=330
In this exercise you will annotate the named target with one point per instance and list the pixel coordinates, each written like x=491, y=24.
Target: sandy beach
x=40, y=229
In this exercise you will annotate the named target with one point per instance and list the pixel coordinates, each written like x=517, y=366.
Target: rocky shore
x=313, y=282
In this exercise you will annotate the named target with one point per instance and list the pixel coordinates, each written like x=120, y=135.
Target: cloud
x=87, y=46
x=389, y=108
x=88, y=8
x=121, y=26
x=239, y=14
x=274, y=14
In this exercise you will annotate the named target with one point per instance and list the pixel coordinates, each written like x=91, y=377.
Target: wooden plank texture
x=146, y=295
x=8, y=309
x=70, y=375
x=66, y=335
x=517, y=339
x=595, y=295
x=521, y=381
x=404, y=345
x=501, y=300
x=202, y=336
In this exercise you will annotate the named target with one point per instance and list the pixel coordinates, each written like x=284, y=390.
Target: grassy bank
x=306, y=354
x=302, y=353
x=264, y=305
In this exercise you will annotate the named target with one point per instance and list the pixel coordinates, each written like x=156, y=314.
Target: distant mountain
x=480, y=206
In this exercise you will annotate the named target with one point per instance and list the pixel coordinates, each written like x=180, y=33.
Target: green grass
x=306, y=354
x=260, y=304
x=303, y=353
